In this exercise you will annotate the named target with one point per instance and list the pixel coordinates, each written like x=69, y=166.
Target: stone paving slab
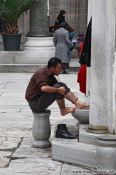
x=10, y=109
x=72, y=151
x=4, y=160
x=74, y=170
x=10, y=143
x=42, y=166
x=7, y=147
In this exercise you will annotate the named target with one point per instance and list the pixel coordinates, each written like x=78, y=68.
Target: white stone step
x=72, y=151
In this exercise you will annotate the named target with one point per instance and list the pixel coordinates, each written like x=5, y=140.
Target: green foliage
x=10, y=11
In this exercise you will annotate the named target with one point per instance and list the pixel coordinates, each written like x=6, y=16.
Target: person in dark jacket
x=60, y=20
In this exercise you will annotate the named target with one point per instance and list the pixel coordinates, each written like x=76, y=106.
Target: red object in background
x=82, y=78
x=81, y=45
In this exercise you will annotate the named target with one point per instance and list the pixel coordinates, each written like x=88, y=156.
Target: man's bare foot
x=67, y=110
x=81, y=105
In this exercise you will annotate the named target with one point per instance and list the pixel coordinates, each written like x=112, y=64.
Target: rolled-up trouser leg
x=60, y=84
x=46, y=99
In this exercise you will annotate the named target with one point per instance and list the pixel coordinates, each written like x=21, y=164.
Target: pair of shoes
x=62, y=132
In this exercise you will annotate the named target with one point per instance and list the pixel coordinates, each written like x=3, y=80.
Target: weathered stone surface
x=71, y=170
x=4, y=161
x=37, y=165
x=10, y=143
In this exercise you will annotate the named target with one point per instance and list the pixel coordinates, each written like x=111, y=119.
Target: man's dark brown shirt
x=39, y=78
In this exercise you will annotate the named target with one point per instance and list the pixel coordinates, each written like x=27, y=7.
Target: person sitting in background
x=61, y=19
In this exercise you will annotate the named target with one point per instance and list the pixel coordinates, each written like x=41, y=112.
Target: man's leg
x=46, y=99
x=63, y=109
x=40, y=104
x=71, y=97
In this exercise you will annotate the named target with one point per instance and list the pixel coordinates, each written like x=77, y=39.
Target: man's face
x=57, y=69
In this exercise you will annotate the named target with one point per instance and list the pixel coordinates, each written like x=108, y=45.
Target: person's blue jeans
x=71, y=35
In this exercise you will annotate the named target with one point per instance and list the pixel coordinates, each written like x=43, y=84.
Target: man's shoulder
x=41, y=70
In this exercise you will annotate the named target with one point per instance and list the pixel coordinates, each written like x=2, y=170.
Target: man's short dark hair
x=53, y=62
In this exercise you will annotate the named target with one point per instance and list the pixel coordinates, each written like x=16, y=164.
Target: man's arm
x=49, y=89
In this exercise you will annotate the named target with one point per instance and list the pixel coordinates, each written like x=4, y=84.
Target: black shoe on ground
x=62, y=132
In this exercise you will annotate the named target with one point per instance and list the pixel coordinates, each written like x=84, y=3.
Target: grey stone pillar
x=39, y=44
x=102, y=60
x=39, y=20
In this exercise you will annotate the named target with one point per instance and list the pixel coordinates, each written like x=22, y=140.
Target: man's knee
x=66, y=87
x=59, y=84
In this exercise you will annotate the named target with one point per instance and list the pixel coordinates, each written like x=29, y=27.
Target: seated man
x=43, y=89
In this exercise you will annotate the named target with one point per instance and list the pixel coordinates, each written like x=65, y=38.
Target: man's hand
x=62, y=90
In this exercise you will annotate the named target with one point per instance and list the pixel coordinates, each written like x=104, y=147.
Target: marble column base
x=40, y=47
x=106, y=154
x=41, y=144
x=98, y=129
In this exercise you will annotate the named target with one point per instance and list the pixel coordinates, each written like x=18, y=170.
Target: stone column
x=39, y=20
x=102, y=59
x=39, y=45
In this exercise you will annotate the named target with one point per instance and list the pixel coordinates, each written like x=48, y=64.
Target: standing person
x=43, y=89
x=62, y=44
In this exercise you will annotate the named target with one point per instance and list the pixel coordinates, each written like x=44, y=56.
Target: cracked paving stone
x=10, y=143
x=5, y=157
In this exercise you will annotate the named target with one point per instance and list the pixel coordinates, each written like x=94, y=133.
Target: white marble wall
x=89, y=10
x=114, y=94
x=102, y=59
